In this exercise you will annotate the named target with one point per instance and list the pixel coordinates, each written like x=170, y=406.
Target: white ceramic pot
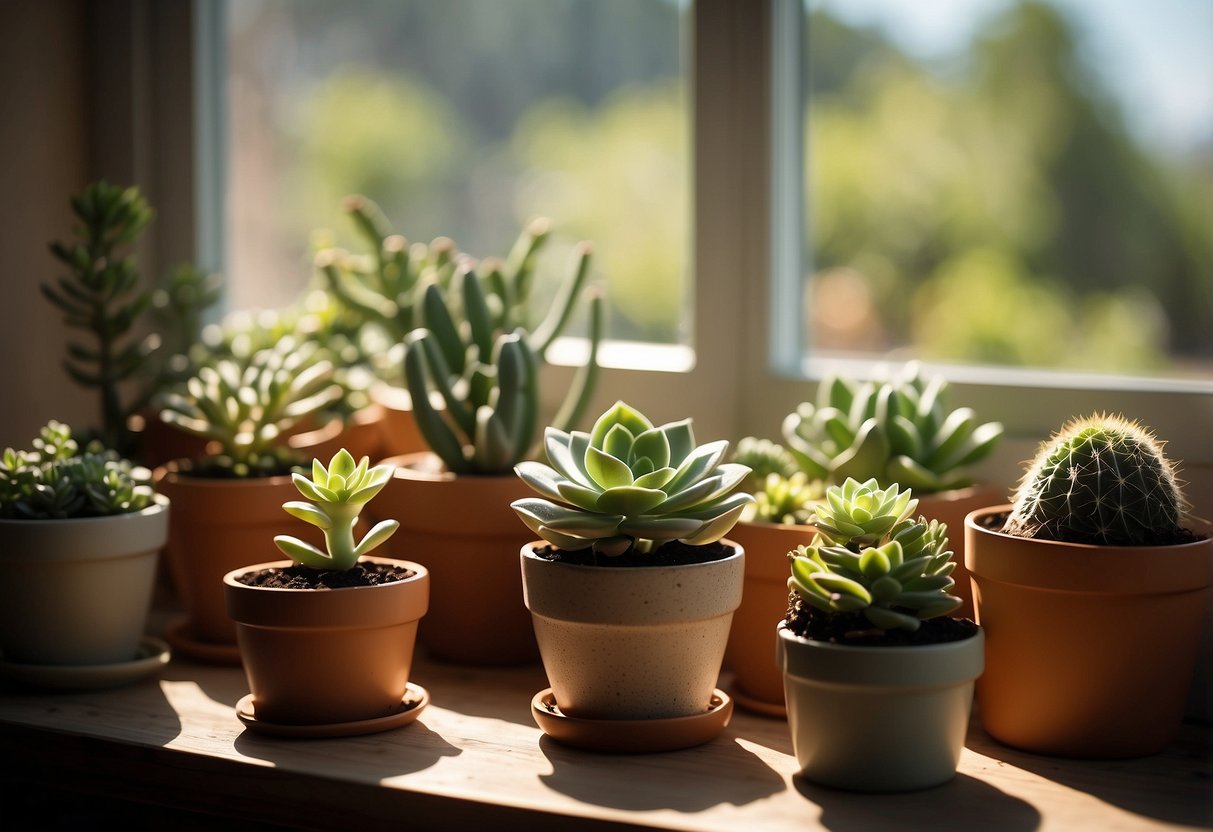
x=641, y=642
x=77, y=592
x=878, y=719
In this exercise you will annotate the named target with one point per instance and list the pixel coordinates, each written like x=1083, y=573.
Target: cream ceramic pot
x=632, y=642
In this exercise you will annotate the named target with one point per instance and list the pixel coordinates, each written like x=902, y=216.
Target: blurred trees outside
x=995, y=212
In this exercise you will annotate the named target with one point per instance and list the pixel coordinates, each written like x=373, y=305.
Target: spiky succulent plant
x=871, y=558
x=338, y=494
x=788, y=500
x=1103, y=480
x=487, y=377
x=630, y=485
x=247, y=404
x=58, y=480
x=892, y=431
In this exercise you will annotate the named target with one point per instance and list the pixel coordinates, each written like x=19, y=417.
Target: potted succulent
x=227, y=503
x=327, y=637
x=632, y=586
x=1092, y=587
x=776, y=522
x=898, y=431
x=879, y=678
x=80, y=535
x=486, y=380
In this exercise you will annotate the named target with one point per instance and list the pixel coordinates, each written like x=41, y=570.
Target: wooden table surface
x=475, y=759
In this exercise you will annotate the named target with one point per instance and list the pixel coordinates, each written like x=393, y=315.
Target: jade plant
x=247, y=404
x=488, y=377
x=337, y=494
x=1102, y=480
x=125, y=357
x=892, y=431
x=59, y=480
x=872, y=564
x=628, y=485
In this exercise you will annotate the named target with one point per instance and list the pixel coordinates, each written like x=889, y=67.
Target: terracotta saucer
x=414, y=702
x=775, y=710
x=177, y=634
x=152, y=655
x=632, y=736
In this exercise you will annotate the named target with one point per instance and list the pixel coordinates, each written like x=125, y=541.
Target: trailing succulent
x=487, y=376
x=894, y=431
x=1102, y=480
x=57, y=480
x=872, y=562
x=337, y=494
x=247, y=404
x=627, y=485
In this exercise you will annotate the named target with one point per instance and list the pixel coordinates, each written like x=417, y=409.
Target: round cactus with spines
x=1102, y=480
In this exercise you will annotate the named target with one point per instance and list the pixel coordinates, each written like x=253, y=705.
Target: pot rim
x=229, y=578
x=160, y=505
x=528, y=552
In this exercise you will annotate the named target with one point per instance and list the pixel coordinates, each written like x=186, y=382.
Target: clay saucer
x=762, y=707
x=152, y=655
x=178, y=634
x=414, y=702
x=631, y=736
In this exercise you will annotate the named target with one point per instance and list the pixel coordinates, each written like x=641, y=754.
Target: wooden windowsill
x=474, y=759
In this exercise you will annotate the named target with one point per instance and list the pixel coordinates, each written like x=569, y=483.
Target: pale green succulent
x=338, y=495
x=892, y=431
x=628, y=484
x=763, y=457
x=788, y=500
x=247, y=405
x=57, y=480
x=871, y=558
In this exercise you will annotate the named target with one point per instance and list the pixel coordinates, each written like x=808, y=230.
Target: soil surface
x=995, y=523
x=855, y=630
x=305, y=577
x=674, y=553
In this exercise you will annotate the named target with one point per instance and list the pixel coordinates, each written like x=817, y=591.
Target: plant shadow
x=619, y=781
x=963, y=803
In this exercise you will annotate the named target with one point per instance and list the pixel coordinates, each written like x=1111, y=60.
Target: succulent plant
x=487, y=377
x=1102, y=480
x=763, y=457
x=789, y=500
x=57, y=480
x=892, y=431
x=246, y=404
x=871, y=558
x=630, y=485
x=337, y=494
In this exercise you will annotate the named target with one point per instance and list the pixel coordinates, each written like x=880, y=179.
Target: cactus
x=871, y=559
x=487, y=377
x=893, y=431
x=630, y=485
x=1102, y=480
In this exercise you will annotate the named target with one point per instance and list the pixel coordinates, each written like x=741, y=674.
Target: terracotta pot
x=361, y=435
x=77, y=592
x=463, y=529
x=319, y=657
x=640, y=642
x=1090, y=649
x=756, y=676
x=219, y=525
x=878, y=719
x=951, y=507
x=399, y=433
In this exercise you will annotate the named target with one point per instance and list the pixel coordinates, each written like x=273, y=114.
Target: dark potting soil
x=674, y=553
x=305, y=577
x=995, y=523
x=855, y=630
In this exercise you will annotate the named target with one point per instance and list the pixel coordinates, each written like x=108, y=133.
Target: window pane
x=1012, y=183
x=464, y=119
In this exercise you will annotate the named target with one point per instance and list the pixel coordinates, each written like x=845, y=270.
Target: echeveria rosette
x=870, y=557
x=338, y=495
x=629, y=484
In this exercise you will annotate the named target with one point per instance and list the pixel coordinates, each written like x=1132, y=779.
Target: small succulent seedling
x=871, y=559
x=628, y=484
x=338, y=494
x=58, y=481
x=1103, y=480
x=895, y=431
